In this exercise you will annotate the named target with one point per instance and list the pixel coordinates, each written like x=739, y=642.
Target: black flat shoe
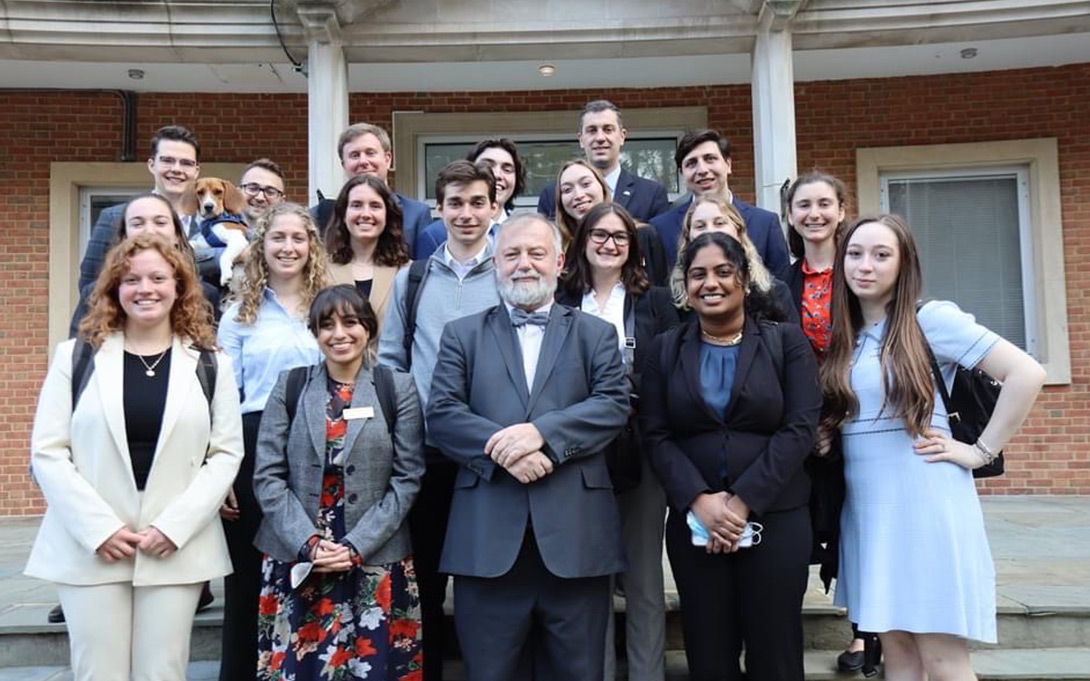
x=206, y=598
x=56, y=615
x=850, y=662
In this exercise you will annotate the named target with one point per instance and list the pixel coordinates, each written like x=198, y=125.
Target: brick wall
x=1050, y=456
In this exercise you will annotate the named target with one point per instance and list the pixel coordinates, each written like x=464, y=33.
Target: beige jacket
x=81, y=461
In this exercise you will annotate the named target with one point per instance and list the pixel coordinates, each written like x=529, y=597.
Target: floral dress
x=347, y=626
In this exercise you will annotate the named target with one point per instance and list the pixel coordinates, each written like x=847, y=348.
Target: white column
x=773, y=93
x=327, y=100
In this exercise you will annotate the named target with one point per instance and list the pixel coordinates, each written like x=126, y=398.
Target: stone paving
x=1041, y=547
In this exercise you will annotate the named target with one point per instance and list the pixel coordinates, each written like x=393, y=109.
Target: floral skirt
x=350, y=626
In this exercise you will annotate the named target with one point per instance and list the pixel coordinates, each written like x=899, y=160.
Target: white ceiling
x=641, y=72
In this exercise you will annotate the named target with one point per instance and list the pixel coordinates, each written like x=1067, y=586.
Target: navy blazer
x=762, y=227
x=765, y=435
x=415, y=217
x=642, y=198
x=578, y=402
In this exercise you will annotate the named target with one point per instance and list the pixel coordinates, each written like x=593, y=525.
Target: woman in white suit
x=135, y=472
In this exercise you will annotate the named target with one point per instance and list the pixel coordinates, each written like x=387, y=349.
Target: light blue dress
x=913, y=552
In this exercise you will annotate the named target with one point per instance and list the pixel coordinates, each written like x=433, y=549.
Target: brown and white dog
x=219, y=206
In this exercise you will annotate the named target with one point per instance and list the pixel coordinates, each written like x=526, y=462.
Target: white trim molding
x=1041, y=159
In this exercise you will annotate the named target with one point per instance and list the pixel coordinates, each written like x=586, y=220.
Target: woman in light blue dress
x=914, y=559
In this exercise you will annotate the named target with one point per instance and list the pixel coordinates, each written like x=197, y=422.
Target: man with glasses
x=262, y=184
x=174, y=164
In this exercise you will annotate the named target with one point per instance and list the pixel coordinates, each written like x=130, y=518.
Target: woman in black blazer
x=730, y=406
x=605, y=278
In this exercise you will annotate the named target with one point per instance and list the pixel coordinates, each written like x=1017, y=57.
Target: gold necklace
x=150, y=370
x=726, y=341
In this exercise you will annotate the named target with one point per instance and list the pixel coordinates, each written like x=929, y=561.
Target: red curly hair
x=190, y=317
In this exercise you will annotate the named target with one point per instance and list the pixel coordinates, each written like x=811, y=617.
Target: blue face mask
x=751, y=534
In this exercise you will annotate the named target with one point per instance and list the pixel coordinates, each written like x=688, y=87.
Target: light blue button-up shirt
x=275, y=342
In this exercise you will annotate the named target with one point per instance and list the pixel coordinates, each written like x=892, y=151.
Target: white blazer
x=81, y=461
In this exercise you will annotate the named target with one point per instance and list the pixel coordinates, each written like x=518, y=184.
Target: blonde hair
x=759, y=276
x=190, y=316
x=256, y=269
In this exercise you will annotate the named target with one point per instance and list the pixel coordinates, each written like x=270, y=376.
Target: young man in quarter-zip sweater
x=459, y=281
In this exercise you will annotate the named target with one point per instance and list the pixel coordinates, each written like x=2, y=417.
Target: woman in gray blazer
x=339, y=460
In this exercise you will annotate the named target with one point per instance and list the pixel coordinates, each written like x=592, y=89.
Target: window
x=425, y=142
x=987, y=219
x=93, y=200
x=972, y=230
x=650, y=156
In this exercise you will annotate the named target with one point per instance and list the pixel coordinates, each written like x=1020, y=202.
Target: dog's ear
x=233, y=200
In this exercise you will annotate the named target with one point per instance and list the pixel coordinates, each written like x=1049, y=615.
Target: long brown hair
x=190, y=316
x=579, y=277
x=252, y=291
x=907, y=384
x=567, y=223
x=390, y=250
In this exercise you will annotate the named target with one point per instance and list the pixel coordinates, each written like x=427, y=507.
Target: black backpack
x=384, y=388
x=969, y=406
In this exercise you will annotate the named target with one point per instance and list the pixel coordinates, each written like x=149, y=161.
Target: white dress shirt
x=612, y=311
x=530, y=338
x=611, y=181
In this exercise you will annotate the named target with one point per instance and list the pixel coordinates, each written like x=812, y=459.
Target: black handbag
x=969, y=406
x=624, y=456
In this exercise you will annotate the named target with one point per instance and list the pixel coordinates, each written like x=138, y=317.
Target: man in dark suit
x=601, y=136
x=703, y=159
x=174, y=165
x=525, y=396
x=365, y=149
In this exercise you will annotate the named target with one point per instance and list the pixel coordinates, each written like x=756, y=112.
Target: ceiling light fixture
x=546, y=70
x=968, y=53
x=136, y=74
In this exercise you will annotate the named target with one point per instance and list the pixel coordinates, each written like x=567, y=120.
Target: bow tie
x=520, y=317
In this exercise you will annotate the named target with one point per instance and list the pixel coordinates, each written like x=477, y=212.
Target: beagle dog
x=219, y=208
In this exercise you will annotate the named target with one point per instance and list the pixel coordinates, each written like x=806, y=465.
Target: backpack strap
x=207, y=368
x=418, y=273
x=82, y=364
x=387, y=398
x=297, y=378
x=936, y=370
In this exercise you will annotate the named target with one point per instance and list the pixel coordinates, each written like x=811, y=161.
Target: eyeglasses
x=253, y=188
x=600, y=236
x=185, y=163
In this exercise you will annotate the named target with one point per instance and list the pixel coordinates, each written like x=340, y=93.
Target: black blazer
x=654, y=313
x=794, y=278
x=765, y=435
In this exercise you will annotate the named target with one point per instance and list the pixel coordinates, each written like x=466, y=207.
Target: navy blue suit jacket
x=578, y=402
x=762, y=226
x=415, y=217
x=642, y=198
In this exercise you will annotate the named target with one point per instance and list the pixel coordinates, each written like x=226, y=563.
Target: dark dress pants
x=238, y=661
x=752, y=597
x=428, y=528
x=529, y=611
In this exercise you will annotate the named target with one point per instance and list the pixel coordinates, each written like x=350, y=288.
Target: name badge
x=359, y=413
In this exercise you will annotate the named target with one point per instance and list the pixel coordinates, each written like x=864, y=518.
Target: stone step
x=27, y=639
x=1054, y=664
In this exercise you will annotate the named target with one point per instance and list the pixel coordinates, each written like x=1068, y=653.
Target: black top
x=364, y=287
x=144, y=398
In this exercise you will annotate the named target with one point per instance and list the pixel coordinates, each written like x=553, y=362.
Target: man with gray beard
x=524, y=398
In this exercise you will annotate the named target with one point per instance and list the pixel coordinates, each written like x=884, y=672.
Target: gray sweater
x=443, y=297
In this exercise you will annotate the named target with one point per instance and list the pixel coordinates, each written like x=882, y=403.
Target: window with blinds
x=972, y=229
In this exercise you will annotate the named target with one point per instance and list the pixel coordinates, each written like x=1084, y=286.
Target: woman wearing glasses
x=605, y=278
